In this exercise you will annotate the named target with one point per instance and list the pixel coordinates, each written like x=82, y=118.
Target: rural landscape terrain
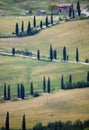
x=44, y=65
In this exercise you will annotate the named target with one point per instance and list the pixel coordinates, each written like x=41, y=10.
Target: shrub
x=36, y=94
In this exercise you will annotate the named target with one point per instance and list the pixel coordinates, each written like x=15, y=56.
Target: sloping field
x=59, y=105
x=15, y=70
x=62, y=105
x=70, y=34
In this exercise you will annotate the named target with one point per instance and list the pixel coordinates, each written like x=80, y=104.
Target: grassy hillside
x=59, y=105
x=68, y=34
x=62, y=105
x=15, y=7
x=24, y=70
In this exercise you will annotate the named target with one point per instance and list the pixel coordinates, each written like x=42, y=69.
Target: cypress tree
x=38, y=54
x=70, y=12
x=4, y=91
x=46, y=21
x=64, y=54
x=44, y=84
x=73, y=14
x=22, y=91
x=31, y=88
x=48, y=86
x=88, y=76
x=29, y=28
x=70, y=79
x=52, y=19
x=77, y=55
x=7, y=122
x=18, y=90
x=55, y=54
x=51, y=53
x=22, y=27
x=62, y=82
x=24, y=123
x=17, y=29
x=13, y=51
x=78, y=8
x=41, y=24
x=8, y=92
x=34, y=22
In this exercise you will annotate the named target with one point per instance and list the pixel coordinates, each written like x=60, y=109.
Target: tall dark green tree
x=88, y=76
x=46, y=21
x=52, y=19
x=22, y=91
x=34, y=22
x=73, y=14
x=62, y=82
x=38, y=54
x=78, y=8
x=7, y=127
x=8, y=92
x=44, y=84
x=77, y=55
x=64, y=54
x=48, y=85
x=70, y=12
x=29, y=28
x=13, y=51
x=18, y=91
x=55, y=54
x=31, y=88
x=51, y=53
x=24, y=123
x=17, y=29
x=4, y=91
x=41, y=24
x=22, y=27
x=70, y=79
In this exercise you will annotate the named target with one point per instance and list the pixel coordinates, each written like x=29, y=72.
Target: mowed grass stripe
x=14, y=70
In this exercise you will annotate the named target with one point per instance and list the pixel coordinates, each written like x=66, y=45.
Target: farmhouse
x=64, y=7
x=41, y=12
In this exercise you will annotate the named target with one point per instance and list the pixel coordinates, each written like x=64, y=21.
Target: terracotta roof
x=64, y=5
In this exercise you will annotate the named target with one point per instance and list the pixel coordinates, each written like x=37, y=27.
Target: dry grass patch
x=62, y=105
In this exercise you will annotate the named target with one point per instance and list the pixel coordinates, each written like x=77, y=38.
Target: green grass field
x=59, y=105
x=19, y=70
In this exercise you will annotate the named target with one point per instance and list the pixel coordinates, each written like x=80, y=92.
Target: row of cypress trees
x=21, y=89
x=71, y=10
x=71, y=85
x=47, y=86
x=29, y=28
x=53, y=54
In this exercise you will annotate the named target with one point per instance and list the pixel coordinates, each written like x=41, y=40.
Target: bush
x=36, y=94
x=38, y=127
x=87, y=60
x=34, y=31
